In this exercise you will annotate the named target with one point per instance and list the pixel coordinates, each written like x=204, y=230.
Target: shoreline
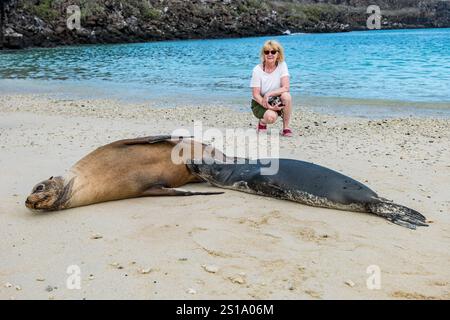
x=263, y=248
x=335, y=106
x=62, y=45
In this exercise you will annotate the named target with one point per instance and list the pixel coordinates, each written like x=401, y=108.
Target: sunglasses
x=266, y=52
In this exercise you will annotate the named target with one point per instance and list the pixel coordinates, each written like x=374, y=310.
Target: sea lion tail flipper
x=398, y=214
x=160, y=191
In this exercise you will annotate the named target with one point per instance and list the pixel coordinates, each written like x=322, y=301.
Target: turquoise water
x=403, y=69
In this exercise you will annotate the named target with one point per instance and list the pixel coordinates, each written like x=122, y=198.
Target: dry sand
x=230, y=246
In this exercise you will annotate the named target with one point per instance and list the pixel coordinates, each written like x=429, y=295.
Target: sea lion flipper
x=398, y=214
x=161, y=191
x=153, y=139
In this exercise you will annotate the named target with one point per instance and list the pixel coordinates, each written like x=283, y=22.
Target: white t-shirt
x=268, y=81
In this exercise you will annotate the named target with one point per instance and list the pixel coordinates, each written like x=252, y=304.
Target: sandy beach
x=229, y=246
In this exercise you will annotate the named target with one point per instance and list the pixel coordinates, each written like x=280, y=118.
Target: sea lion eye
x=39, y=188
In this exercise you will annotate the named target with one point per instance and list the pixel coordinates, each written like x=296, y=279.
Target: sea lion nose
x=28, y=203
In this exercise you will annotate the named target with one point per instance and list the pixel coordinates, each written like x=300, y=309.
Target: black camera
x=274, y=100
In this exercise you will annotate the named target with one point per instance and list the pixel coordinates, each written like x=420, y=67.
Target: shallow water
x=383, y=71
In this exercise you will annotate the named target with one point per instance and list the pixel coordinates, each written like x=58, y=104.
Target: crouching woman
x=270, y=88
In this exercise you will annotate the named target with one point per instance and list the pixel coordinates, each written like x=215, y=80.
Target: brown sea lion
x=120, y=170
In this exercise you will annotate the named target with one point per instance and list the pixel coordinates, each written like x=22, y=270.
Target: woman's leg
x=287, y=110
x=269, y=117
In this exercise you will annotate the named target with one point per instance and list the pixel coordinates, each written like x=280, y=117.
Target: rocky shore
x=43, y=23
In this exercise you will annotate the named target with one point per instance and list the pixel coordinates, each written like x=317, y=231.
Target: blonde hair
x=273, y=45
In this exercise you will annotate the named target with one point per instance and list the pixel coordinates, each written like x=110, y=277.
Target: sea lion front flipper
x=161, y=191
x=153, y=139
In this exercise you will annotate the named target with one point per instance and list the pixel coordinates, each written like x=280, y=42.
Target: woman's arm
x=284, y=88
x=256, y=91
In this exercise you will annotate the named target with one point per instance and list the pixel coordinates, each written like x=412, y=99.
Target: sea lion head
x=215, y=173
x=46, y=195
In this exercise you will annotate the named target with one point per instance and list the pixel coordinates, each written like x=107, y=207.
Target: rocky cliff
x=44, y=22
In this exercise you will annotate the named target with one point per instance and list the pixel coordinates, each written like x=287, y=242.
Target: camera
x=273, y=101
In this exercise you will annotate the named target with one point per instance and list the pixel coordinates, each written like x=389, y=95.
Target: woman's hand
x=267, y=105
x=277, y=107
x=266, y=101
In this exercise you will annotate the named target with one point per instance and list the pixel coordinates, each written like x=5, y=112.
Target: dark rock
x=13, y=40
x=60, y=29
x=43, y=23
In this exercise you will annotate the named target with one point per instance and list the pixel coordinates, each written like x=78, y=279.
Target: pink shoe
x=286, y=132
x=261, y=127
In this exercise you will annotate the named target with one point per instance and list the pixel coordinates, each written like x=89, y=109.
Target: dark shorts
x=259, y=110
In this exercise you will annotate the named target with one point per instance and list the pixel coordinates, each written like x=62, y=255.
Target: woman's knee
x=270, y=116
x=286, y=97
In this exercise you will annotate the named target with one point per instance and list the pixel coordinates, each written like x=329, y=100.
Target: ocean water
x=382, y=72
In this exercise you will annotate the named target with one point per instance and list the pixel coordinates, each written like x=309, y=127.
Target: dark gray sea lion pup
x=120, y=170
x=306, y=183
